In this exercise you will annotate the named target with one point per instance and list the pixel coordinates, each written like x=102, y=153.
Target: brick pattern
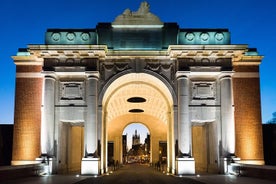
x=249, y=144
x=246, y=68
x=28, y=68
x=27, y=116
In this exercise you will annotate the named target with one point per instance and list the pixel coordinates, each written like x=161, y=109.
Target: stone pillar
x=185, y=164
x=91, y=164
x=184, y=125
x=227, y=124
x=91, y=138
x=48, y=125
x=227, y=117
x=48, y=117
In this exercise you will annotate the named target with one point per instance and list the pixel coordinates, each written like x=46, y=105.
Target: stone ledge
x=15, y=172
x=256, y=171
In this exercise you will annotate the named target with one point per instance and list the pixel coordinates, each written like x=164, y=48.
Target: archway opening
x=136, y=144
x=138, y=98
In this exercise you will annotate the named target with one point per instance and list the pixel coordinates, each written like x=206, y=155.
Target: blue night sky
x=251, y=22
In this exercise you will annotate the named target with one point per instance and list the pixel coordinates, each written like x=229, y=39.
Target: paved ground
x=139, y=174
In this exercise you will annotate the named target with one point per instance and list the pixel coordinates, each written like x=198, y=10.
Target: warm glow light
x=29, y=145
x=153, y=95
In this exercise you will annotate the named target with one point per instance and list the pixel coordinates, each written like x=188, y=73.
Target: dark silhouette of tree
x=273, y=120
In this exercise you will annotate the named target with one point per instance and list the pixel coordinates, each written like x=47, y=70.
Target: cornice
x=65, y=51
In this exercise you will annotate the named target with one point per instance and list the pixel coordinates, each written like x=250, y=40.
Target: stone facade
x=200, y=91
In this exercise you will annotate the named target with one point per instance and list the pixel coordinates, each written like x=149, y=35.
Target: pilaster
x=90, y=125
x=184, y=125
x=48, y=115
x=90, y=164
x=185, y=164
x=227, y=115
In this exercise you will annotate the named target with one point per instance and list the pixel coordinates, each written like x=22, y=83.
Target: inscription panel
x=71, y=91
x=203, y=91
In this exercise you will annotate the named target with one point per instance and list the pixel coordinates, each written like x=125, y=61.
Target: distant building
x=124, y=142
x=147, y=144
x=135, y=139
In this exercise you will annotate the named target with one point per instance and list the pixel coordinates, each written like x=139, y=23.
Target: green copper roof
x=71, y=36
x=138, y=30
x=204, y=37
x=139, y=38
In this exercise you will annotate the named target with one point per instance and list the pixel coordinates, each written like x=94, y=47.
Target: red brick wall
x=249, y=142
x=27, y=115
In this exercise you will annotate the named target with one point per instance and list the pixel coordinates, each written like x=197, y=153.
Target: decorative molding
x=29, y=75
x=203, y=90
x=246, y=75
x=71, y=90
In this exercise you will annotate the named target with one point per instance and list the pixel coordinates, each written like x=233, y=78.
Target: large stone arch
x=151, y=84
x=166, y=82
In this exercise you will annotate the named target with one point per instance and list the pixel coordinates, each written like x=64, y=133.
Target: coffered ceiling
x=158, y=100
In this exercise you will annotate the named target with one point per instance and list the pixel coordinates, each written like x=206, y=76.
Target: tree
x=273, y=120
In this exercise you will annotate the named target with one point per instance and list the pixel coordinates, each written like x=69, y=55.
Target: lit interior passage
x=136, y=144
x=155, y=112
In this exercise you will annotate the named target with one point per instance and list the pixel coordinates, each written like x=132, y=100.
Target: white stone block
x=185, y=166
x=225, y=163
x=90, y=166
x=49, y=165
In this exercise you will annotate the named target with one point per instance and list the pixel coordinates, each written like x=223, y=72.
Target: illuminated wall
x=27, y=118
x=248, y=122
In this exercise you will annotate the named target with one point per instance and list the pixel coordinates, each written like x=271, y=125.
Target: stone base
x=24, y=162
x=90, y=166
x=185, y=166
x=251, y=162
x=49, y=165
x=225, y=164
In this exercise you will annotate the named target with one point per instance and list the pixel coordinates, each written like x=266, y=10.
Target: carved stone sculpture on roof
x=140, y=18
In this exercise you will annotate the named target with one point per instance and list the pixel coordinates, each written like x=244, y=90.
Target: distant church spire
x=135, y=138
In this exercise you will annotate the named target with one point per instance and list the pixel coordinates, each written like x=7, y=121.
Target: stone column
x=227, y=116
x=48, y=117
x=185, y=164
x=48, y=125
x=227, y=124
x=91, y=162
x=90, y=125
x=184, y=125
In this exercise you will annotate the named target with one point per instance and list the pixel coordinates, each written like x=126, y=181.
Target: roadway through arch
x=155, y=112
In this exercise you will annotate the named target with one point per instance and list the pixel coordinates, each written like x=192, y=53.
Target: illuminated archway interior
x=137, y=98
